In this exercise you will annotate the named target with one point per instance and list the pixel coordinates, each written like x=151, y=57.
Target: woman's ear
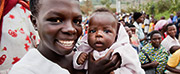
x=33, y=20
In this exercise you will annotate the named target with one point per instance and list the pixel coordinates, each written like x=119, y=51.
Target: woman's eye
x=55, y=20
x=92, y=31
x=77, y=22
x=107, y=31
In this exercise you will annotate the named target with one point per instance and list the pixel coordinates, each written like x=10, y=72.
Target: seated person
x=156, y=53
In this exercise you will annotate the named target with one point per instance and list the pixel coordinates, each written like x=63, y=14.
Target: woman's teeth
x=66, y=43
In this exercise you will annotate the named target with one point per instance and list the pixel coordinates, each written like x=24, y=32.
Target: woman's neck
x=48, y=53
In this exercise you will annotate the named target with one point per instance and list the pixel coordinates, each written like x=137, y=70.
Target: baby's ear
x=33, y=20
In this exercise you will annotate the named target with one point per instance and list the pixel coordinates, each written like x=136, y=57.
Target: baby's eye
x=107, y=31
x=77, y=22
x=92, y=31
x=55, y=20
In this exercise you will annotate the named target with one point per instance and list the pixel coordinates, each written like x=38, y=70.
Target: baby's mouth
x=66, y=43
x=99, y=44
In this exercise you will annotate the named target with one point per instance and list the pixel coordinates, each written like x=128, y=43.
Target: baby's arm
x=82, y=58
x=76, y=63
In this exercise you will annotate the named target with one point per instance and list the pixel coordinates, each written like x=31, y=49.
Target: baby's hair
x=104, y=10
x=154, y=32
x=170, y=24
x=174, y=48
x=34, y=7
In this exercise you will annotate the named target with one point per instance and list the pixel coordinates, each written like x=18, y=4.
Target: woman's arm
x=172, y=69
x=153, y=64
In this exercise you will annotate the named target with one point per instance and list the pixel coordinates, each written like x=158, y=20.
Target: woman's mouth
x=66, y=43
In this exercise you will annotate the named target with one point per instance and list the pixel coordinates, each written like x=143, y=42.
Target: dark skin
x=174, y=70
x=156, y=41
x=171, y=31
x=58, y=24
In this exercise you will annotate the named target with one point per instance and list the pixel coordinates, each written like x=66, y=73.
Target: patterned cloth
x=18, y=36
x=155, y=54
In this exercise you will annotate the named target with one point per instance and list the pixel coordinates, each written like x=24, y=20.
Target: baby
x=105, y=35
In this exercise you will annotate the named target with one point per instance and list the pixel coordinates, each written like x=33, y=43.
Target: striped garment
x=155, y=54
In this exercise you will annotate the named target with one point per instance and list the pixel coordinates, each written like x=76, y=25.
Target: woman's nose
x=69, y=29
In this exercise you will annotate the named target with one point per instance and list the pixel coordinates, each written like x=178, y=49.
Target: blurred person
x=170, y=20
x=146, y=23
x=17, y=34
x=139, y=19
x=176, y=21
x=173, y=64
x=170, y=39
x=156, y=53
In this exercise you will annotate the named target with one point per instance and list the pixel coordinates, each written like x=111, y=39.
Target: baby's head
x=58, y=23
x=102, y=29
x=174, y=48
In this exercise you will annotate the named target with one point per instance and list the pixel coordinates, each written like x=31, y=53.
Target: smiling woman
x=58, y=24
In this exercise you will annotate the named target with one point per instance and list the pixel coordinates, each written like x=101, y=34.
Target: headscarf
x=159, y=25
x=6, y=6
x=136, y=15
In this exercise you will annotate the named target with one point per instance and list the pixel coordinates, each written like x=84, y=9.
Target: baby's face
x=58, y=24
x=102, y=31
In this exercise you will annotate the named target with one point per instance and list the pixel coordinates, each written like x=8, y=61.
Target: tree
x=87, y=7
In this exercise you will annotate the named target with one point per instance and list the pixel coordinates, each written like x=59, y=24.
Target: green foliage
x=107, y=3
x=161, y=8
x=166, y=14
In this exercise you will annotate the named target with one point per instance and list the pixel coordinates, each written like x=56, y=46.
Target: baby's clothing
x=130, y=60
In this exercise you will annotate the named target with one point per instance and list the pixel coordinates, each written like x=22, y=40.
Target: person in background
x=146, y=23
x=138, y=18
x=176, y=21
x=134, y=38
x=161, y=26
x=17, y=34
x=156, y=52
x=170, y=20
x=129, y=32
x=170, y=39
x=173, y=64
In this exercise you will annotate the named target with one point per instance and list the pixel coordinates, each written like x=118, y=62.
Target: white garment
x=18, y=36
x=146, y=23
x=168, y=42
x=35, y=63
x=130, y=60
x=139, y=30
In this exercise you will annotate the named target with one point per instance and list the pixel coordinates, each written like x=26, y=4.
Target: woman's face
x=59, y=25
x=156, y=40
x=171, y=30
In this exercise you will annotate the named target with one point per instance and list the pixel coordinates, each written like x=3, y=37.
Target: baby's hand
x=82, y=58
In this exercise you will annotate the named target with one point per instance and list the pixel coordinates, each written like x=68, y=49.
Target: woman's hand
x=103, y=65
